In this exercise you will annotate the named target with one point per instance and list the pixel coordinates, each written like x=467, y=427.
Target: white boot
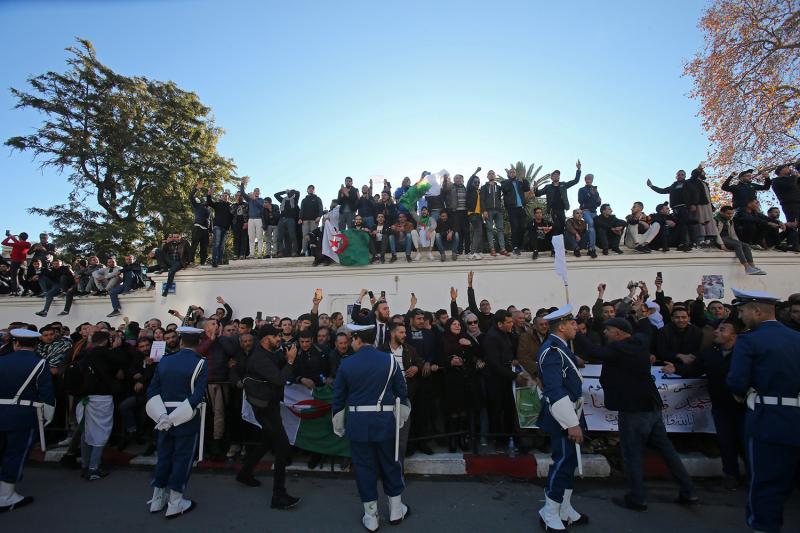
x=568, y=514
x=9, y=499
x=370, y=518
x=159, y=500
x=178, y=505
x=397, y=510
x=549, y=516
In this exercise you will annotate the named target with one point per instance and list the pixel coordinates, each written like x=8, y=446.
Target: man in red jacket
x=19, y=255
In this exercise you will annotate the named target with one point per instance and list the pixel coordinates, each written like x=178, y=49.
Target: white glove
x=164, y=423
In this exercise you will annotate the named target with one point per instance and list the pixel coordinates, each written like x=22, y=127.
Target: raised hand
x=578, y=164
x=470, y=277
x=453, y=294
x=649, y=183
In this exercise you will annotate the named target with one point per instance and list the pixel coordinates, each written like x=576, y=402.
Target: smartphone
x=258, y=315
x=659, y=276
x=371, y=295
x=383, y=295
x=172, y=312
x=8, y=232
x=318, y=294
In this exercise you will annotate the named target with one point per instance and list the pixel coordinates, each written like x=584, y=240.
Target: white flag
x=330, y=230
x=436, y=182
x=560, y=262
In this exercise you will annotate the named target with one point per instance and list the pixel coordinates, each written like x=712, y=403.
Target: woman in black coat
x=460, y=358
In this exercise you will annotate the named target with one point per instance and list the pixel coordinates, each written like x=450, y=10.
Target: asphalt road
x=66, y=503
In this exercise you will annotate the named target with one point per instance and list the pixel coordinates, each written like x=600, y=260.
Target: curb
x=534, y=466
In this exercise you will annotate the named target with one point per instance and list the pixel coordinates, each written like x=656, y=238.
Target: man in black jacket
x=492, y=207
x=500, y=373
x=751, y=225
x=609, y=229
x=268, y=370
x=680, y=197
x=200, y=227
x=556, y=195
x=223, y=218
x=744, y=190
x=58, y=278
x=270, y=218
x=728, y=414
x=287, y=226
x=679, y=340
x=786, y=187
x=629, y=388
x=515, y=197
x=310, y=214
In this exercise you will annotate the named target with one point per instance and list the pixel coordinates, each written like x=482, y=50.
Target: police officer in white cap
x=26, y=403
x=175, y=393
x=562, y=418
x=370, y=405
x=765, y=372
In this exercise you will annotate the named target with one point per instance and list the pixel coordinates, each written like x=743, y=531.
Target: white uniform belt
x=777, y=400
x=24, y=403
x=370, y=408
x=175, y=404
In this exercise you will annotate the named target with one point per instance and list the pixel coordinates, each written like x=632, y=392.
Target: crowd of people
x=470, y=219
x=459, y=362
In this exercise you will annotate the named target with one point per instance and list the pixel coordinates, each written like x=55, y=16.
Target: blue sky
x=310, y=92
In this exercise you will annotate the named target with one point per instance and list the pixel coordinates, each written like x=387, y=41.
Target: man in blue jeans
x=173, y=256
x=589, y=200
x=223, y=218
x=130, y=273
x=446, y=236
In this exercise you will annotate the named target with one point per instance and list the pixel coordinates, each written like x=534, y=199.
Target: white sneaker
x=178, y=505
x=370, y=518
x=479, y=256
x=430, y=256
x=159, y=500
x=397, y=510
x=418, y=256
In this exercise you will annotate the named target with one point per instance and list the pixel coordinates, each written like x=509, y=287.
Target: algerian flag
x=560, y=262
x=329, y=232
x=348, y=248
x=307, y=417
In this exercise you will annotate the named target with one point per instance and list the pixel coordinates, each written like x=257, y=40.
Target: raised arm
x=473, y=305
x=659, y=190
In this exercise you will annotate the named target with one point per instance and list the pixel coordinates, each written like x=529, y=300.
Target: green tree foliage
x=131, y=147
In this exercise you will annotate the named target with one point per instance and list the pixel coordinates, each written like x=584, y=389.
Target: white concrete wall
x=285, y=286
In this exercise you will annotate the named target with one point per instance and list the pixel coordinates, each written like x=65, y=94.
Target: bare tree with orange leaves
x=747, y=79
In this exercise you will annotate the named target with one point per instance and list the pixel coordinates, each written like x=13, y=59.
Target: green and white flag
x=307, y=417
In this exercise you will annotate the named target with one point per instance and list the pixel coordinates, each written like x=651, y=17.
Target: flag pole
x=566, y=291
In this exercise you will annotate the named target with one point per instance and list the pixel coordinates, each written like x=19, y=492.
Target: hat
x=21, y=333
x=562, y=313
x=745, y=297
x=355, y=328
x=265, y=330
x=187, y=330
x=653, y=305
x=358, y=328
x=619, y=323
